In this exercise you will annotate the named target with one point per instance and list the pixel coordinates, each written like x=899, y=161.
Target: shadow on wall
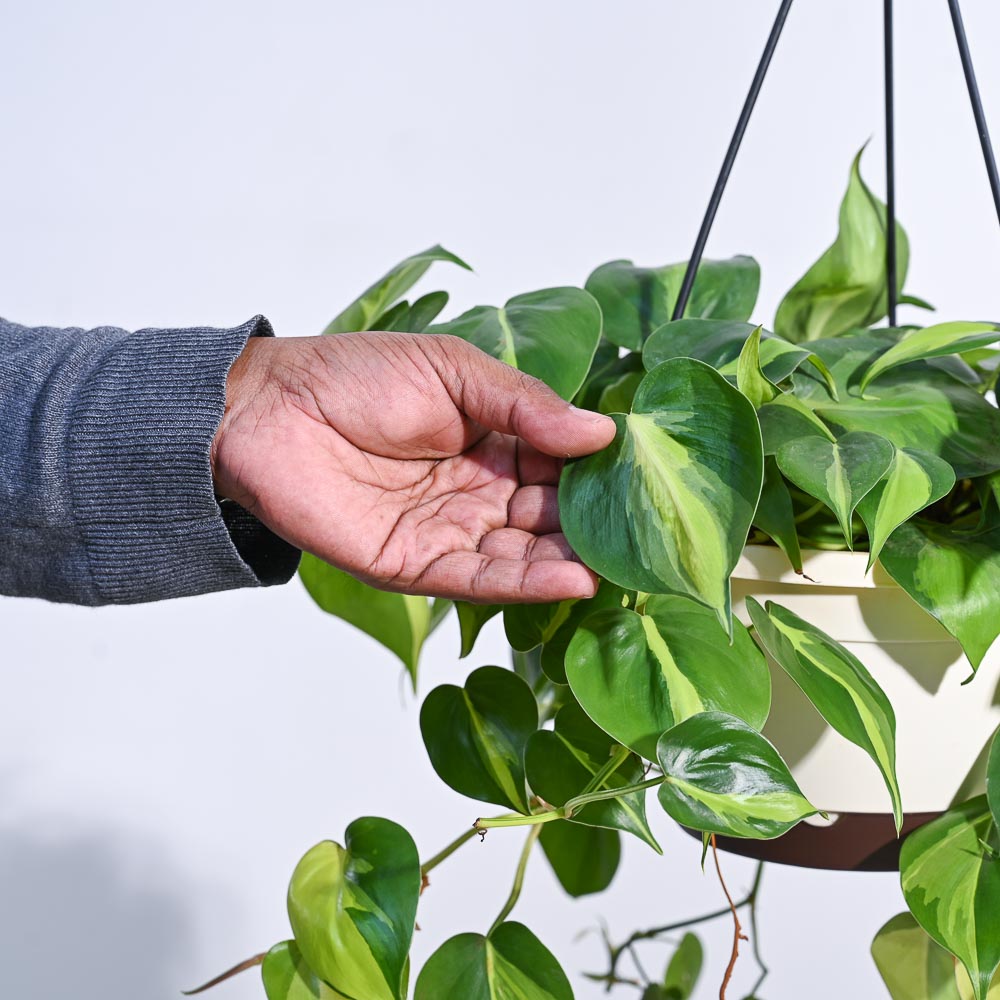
x=86, y=917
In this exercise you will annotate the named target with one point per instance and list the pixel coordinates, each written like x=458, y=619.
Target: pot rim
x=821, y=568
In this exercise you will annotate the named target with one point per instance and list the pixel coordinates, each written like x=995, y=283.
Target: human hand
x=415, y=462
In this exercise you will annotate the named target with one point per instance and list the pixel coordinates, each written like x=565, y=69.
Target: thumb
x=503, y=399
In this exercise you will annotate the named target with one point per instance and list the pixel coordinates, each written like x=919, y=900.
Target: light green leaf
x=914, y=480
x=993, y=779
x=353, y=909
x=786, y=418
x=606, y=369
x=476, y=735
x=839, y=473
x=638, y=675
x=374, y=301
x=846, y=287
x=838, y=685
x=932, y=342
x=618, y=396
x=584, y=858
x=750, y=379
x=724, y=777
x=912, y=965
x=667, y=506
x=775, y=514
x=400, y=622
x=471, y=619
x=954, y=576
x=287, y=977
x=684, y=968
x=951, y=883
x=509, y=964
x=637, y=300
x=551, y=334
x=561, y=764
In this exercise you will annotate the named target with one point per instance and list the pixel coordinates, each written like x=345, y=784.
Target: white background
x=162, y=768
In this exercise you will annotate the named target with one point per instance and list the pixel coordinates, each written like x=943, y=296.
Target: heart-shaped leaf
x=684, y=968
x=531, y=625
x=584, y=858
x=400, y=622
x=950, y=873
x=637, y=300
x=471, y=619
x=287, y=977
x=839, y=473
x=551, y=334
x=374, y=301
x=638, y=675
x=509, y=964
x=565, y=762
x=667, y=506
x=838, y=685
x=786, y=418
x=476, y=735
x=911, y=964
x=353, y=909
x=723, y=777
x=914, y=480
x=954, y=576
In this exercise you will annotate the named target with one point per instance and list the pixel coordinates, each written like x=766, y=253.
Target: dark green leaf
x=607, y=368
x=724, y=777
x=551, y=334
x=638, y=675
x=952, y=886
x=287, y=977
x=531, y=625
x=406, y=318
x=561, y=764
x=993, y=779
x=667, y=506
x=775, y=514
x=353, y=909
x=374, y=301
x=786, y=418
x=510, y=964
x=471, y=619
x=684, y=968
x=584, y=858
x=476, y=735
x=717, y=342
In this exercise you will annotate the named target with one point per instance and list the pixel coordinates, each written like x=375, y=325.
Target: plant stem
x=575, y=804
x=517, y=819
x=738, y=934
x=234, y=971
x=614, y=762
x=522, y=865
x=428, y=866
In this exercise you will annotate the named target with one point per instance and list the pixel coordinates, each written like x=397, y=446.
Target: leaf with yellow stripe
x=353, y=909
x=287, y=977
x=721, y=776
x=638, y=675
x=476, y=735
x=666, y=508
x=838, y=685
x=950, y=874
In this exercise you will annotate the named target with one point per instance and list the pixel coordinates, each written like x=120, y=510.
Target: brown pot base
x=857, y=842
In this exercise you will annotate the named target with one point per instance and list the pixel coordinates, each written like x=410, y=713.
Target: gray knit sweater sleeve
x=105, y=484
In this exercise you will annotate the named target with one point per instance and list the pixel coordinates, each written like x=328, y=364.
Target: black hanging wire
x=891, y=262
x=977, y=101
x=727, y=165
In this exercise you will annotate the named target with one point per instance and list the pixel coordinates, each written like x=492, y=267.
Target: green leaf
x=531, y=625
x=839, y=473
x=638, y=675
x=584, y=858
x=837, y=683
x=684, y=968
x=471, y=619
x=400, y=622
x=952, y=886
x=932, y=342
x=617, y=397
x=750, y=378
x=509, y=964
x=911, y=964
x=561, y=764
x=476, y=735
x=667, y=506
x=406, y=318
x=993, y=779
x=724, y=777
x=374, y=301
x=353, y=909
x=775, y=514
x=952, y=575
x=914, y=480
x=846, y=287
x=551, y=334
x=637, y=300
x=606, y=369
x=287, y=977
x=786, y=418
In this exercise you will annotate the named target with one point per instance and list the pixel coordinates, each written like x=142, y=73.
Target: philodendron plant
x=824, y=432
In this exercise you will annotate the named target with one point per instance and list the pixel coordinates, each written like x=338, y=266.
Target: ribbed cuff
x=140, y=475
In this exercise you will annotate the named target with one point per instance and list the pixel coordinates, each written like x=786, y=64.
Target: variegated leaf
x=950, y=873
x=750, y=377
x=839, y=473
x=638, y=675
x=666, y=508
x=912, y=965
x=353, y=909
x=287, y=977
x=838, y=685
x=723, y=777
